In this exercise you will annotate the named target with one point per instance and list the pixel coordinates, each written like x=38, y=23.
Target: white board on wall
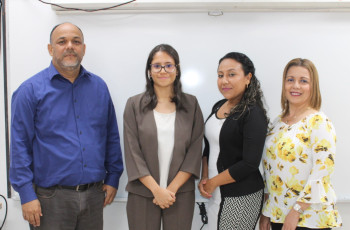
x=140, y=6
x=118, y=46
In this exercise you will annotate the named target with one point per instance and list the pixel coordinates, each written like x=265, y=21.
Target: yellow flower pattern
x=294, y=186
x=277, y=213
x=323, y=145
x=298, y=162
x=286, y=150
x=304, y=138
x=315, y=121
x=302, y=220
x=271, y=153
x=293, y=170
x=276, y=185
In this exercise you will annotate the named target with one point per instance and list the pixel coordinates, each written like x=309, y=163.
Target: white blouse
x=212, y=133
x=165, y=123
x=298, y=162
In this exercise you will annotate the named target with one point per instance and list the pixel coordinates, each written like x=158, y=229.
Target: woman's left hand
x=209, y=186
x=201, y=188
x=291, y=220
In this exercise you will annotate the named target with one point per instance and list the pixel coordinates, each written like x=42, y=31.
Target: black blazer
x=241, y=142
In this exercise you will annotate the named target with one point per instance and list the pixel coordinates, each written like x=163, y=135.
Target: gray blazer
x=141, y=146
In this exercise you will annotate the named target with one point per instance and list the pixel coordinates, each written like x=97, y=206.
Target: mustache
x=66, y=53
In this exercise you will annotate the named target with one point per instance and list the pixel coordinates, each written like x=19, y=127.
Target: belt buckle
x=77, y=188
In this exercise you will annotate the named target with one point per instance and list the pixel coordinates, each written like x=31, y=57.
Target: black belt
x=79, y=188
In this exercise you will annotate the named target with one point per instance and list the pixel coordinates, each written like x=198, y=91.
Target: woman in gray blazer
x=163, y=131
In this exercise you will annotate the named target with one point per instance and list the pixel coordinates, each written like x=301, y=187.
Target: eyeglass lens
x=169, y=68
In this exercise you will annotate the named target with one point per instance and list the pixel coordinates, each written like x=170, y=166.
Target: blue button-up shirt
x=63, y=133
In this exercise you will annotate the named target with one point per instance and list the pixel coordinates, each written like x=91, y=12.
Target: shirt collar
x=53, y=72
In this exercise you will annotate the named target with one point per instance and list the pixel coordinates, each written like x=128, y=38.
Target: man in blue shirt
x=66, y=158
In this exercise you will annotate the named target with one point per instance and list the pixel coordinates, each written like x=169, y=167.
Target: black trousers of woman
x=277, y=226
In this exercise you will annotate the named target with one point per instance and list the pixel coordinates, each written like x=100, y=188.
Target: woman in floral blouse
x=298, y=158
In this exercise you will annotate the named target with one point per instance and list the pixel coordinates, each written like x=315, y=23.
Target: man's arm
x=114, y=159
x=23, y=109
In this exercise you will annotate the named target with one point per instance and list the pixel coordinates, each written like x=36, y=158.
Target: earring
x=247, y=86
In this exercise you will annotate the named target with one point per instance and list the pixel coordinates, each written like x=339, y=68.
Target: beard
x=69, y=64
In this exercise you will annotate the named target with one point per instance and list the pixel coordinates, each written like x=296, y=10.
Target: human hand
x=291, y=220
x=209, y=187
x=110, y=192
x=164, y=198
x=264, y=223
x=172, y=189
x=201, y=188
x=32, y=212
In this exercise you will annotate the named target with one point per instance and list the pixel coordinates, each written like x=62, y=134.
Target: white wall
x=118, y=46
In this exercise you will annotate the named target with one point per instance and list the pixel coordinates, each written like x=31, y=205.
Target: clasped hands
x=163, y=197
x=206, y=187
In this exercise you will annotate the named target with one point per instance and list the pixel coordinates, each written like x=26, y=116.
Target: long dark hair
x=150, y=96
x=253, y=94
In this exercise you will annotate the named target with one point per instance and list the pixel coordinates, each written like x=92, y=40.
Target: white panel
x=118, y=46
x=207, y=5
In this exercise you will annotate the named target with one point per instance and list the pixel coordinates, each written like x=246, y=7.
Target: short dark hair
x=253, y=94
x=177, y=94
x=54, y=28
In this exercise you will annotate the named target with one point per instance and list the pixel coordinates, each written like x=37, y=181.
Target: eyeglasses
x=169, y=68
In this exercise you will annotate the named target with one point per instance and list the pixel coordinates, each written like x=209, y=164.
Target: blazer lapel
x=152, y=147
x=176, y=159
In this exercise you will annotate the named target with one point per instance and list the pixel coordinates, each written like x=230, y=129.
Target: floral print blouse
x=298, y=162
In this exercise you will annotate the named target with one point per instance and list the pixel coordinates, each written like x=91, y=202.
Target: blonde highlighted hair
x=315, y=99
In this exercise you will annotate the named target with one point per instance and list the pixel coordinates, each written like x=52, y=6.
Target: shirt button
x=78, y=117
x=84, y=166
x=83, y=149
x=81, y=132
x=75, y=100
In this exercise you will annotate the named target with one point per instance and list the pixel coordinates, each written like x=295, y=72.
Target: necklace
x=295, y=118
x=224, y=110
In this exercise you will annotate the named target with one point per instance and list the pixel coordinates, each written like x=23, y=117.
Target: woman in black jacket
x=235, y=134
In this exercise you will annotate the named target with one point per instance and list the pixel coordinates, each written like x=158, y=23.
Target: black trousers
x=277, y=226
